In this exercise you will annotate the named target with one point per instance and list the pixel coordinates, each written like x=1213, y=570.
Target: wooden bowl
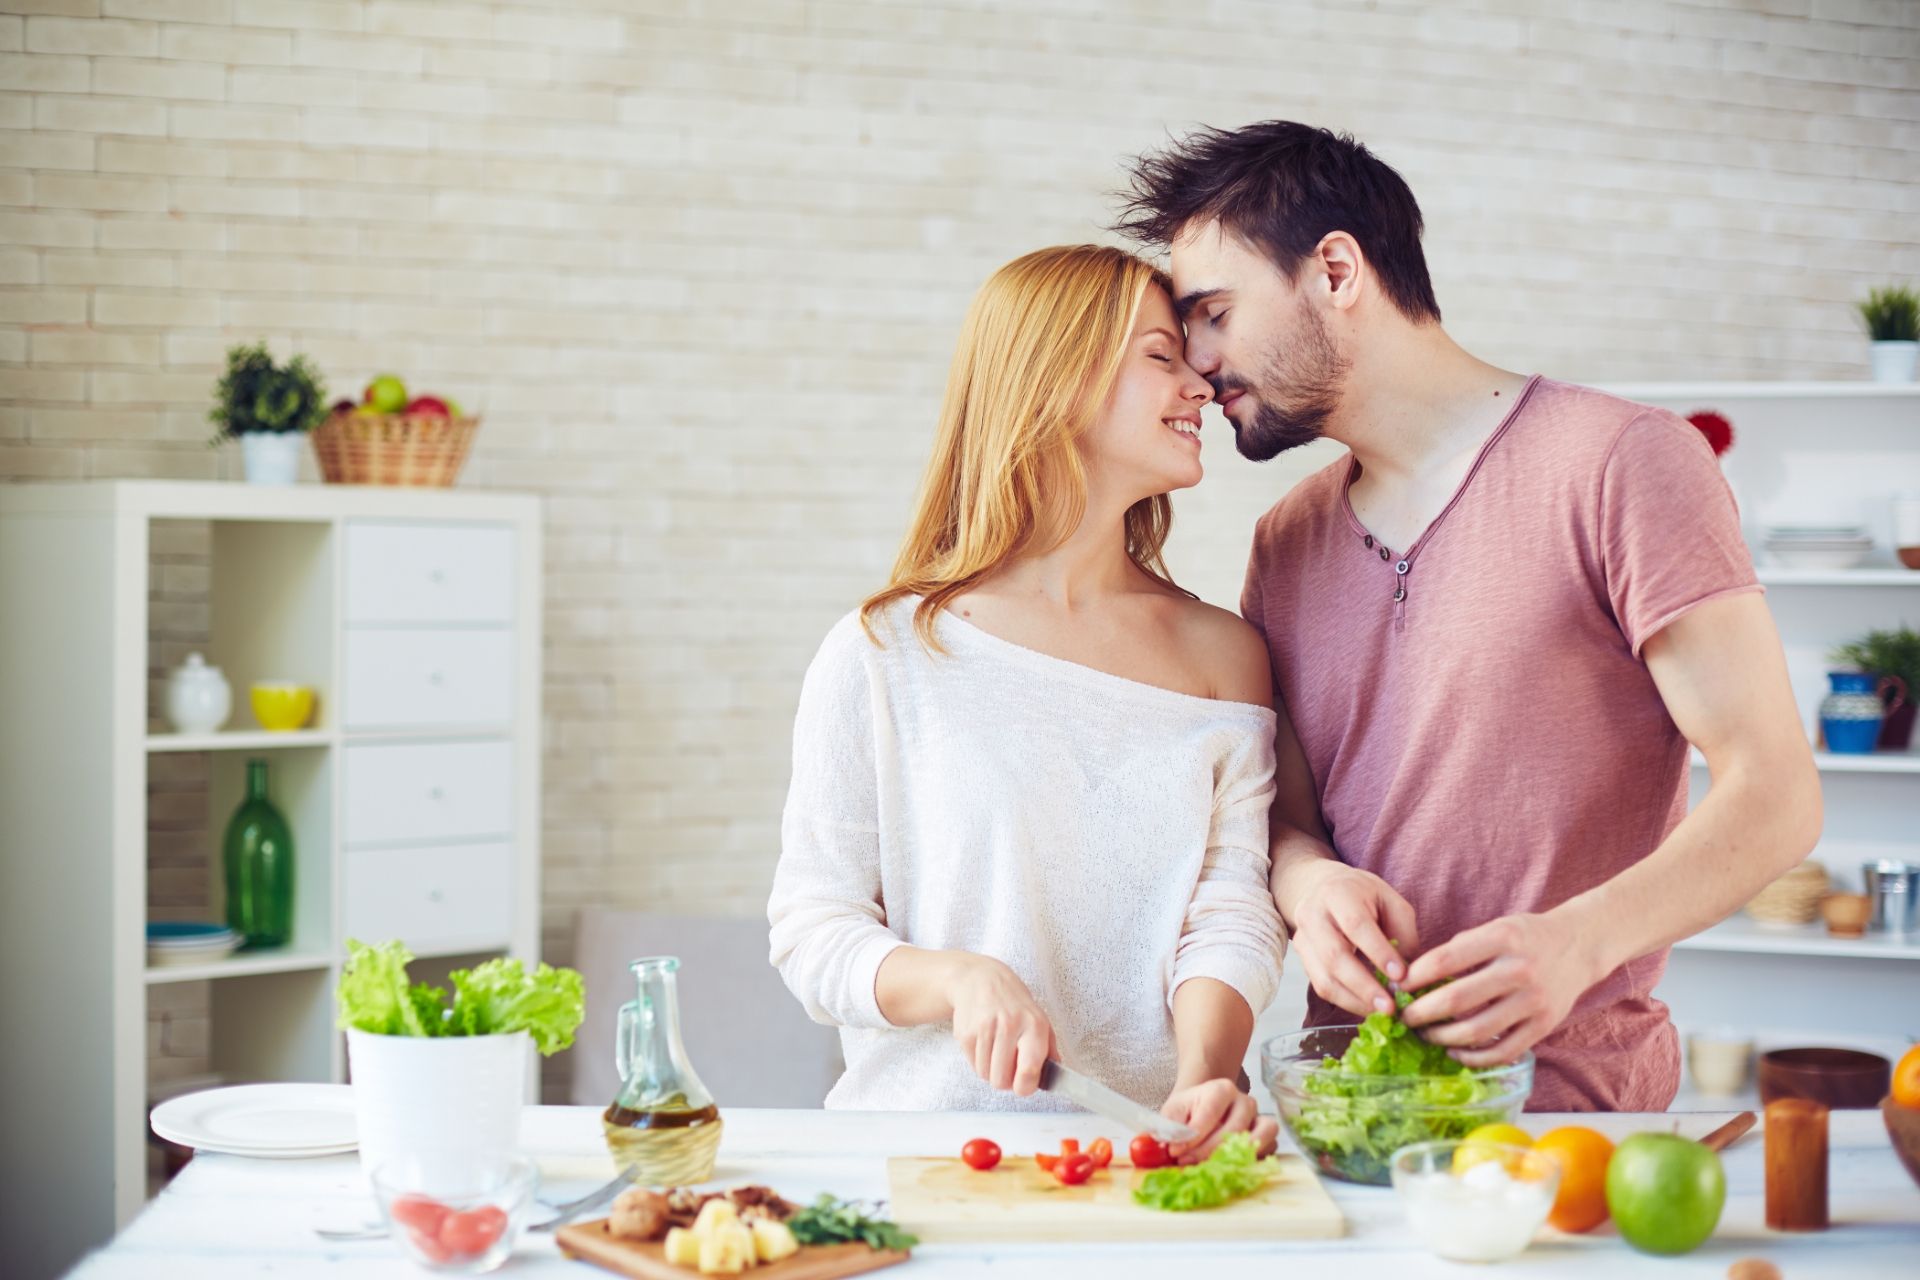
x=1844, y=1079
x=1903, y=1128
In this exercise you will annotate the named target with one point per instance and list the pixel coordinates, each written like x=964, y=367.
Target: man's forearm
x=1754, y=823
x=1212, y=1026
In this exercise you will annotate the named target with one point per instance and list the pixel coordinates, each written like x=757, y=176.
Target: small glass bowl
x=1350, y=1125
x=455, y=1220
x=1486, y=1210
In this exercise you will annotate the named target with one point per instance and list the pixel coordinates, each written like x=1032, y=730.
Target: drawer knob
x=433, y=895
x=436, y=677
x=436, y=793
x=436, y=576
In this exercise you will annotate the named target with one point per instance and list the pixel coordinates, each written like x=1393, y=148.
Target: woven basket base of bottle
x=420, y=450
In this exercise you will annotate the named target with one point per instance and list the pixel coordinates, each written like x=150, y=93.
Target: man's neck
x=1415, y=400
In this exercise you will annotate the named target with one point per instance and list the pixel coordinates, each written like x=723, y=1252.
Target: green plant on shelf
x=257, y=396
x=1885, y=653
x=1891, y=313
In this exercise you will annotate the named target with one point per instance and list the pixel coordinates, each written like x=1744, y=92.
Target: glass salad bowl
x=1350, y=1124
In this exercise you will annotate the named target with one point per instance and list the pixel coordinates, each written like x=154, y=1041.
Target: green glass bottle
x=259, y=866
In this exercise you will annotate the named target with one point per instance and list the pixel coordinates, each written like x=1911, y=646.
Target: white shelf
x=1775, y=577
x=239, y=966
x=1749, y=936
x=1829, y=762
x=239, y=740
x=1660, y=391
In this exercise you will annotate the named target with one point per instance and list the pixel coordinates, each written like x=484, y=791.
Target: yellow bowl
x=282, y=707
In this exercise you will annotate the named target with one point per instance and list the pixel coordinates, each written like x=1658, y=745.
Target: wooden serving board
x=647, y=1259
x=942, y=1200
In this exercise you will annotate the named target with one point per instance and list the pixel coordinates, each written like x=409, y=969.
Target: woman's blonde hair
x=1037, y=358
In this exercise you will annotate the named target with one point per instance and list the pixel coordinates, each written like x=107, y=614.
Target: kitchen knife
x=1056, y=1077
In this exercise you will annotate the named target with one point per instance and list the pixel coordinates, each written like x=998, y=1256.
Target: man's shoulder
x=1588, y=423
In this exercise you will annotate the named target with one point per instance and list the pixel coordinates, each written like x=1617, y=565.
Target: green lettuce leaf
x=495, y=998
x=500, y=997
x=1230, y=1172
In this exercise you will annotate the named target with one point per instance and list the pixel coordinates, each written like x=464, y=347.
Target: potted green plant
x=1893, y=653
x=1892, y=316
x=268, y=408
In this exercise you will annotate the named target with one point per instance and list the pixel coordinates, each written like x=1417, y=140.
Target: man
x=1496, y=625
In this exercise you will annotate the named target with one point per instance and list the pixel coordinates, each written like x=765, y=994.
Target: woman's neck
x=1090, y=563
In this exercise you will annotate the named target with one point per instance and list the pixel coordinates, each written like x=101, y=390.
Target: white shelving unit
x=1811, y=451
x=414, y=798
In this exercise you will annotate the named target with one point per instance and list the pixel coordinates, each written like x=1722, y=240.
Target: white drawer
x=439, y=898
x=408, y=677
x=400, y=572
x=427, y=791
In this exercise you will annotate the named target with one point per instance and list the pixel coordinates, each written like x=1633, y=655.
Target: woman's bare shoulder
x=1228, y=650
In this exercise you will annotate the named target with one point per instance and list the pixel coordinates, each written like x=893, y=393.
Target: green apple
x=1665, y=1192
x=386, y=394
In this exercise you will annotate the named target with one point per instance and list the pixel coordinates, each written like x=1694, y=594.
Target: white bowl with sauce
x=1486, y=1211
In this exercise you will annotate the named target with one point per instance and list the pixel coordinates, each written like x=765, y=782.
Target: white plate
x=283, y=1121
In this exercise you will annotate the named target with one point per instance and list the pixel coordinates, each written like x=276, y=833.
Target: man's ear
x=1339, y=260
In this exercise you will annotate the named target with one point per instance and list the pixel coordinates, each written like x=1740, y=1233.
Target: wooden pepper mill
x=1796, y=1136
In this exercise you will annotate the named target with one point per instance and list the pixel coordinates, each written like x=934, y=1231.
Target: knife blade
x=1058, y=1078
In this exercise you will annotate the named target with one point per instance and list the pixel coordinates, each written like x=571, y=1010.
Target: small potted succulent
x=1893, y=653
x=1892, y=317
x=268, y=408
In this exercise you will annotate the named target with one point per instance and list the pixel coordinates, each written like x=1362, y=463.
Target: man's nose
x=1201, y=359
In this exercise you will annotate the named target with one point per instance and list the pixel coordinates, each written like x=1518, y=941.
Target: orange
x=1582, y=1155
x=1906, y=1079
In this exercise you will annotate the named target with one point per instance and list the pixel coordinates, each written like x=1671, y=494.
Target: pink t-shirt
x=1481, y=729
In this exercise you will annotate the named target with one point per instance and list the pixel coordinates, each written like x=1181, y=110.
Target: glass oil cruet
x=664, y=1123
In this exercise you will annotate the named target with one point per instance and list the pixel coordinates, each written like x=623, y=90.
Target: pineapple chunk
x=715, y=1213
x=683, y=1247
x=726, y=1249
x=772, y=1240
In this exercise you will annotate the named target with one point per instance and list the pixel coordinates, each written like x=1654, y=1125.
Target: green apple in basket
x=385, y=394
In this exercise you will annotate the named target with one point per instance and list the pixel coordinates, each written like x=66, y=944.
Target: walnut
x=1753, y=1269
x=639, y=1214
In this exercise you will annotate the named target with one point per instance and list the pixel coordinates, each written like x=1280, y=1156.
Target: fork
x=562, y=1213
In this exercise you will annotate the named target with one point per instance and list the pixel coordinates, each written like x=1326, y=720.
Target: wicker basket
x=422, y=450
x=1794, y=898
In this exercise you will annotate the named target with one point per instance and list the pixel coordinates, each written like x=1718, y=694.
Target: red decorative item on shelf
x=1715, y=427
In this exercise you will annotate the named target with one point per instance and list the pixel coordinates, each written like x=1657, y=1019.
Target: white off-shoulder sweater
x=1105, y=838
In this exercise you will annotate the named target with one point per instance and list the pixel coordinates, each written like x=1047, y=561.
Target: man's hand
x=999, y=1025
x=1213, y=1109
x=1515, y=980
x=1338, y=911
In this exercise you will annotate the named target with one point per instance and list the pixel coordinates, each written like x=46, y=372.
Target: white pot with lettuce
x=441, y=1079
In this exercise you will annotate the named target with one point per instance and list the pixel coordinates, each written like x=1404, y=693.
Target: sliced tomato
x=1069, y=1146
x=1148, y=1152
x=419, y=1212
x=1074, y=1169
x=427, y=1245
x=1101, y=1152
x=471, y=1233
x=981, y=1153
x=1045, y=1161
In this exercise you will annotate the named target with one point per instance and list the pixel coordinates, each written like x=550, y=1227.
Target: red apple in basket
x=429, y=405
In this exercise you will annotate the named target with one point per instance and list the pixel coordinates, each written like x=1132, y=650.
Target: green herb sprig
x=833, y=1221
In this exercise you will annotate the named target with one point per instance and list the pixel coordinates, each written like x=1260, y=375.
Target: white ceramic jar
x=198, y=697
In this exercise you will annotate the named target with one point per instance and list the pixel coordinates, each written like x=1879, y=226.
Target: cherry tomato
x=981, y=1153
x=1069, y=1146
x=1045, y=1161
x=427, y=1245
x=420, y=1213
x=1101, y=1152
x=1148, y=1152
x=473, y=1232
x=1074, y=1169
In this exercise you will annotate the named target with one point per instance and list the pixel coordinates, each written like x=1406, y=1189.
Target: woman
x=1031, y=776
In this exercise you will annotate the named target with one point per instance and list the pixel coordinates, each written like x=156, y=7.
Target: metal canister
x=1893, y=889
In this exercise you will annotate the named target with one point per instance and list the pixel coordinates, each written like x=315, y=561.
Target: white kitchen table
x=224, y=1216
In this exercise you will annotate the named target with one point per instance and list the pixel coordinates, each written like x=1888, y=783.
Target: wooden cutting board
x=647, y=1260
x=943, y=1200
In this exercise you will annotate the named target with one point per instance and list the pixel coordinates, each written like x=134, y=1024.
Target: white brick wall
x=701, y=265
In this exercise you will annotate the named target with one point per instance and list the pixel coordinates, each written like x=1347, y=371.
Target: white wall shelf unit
x=417, y=615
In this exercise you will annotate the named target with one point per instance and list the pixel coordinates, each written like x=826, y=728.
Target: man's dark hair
x=1281, y=187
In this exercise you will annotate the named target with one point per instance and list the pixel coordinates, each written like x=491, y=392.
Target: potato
x=713, y=1213
x=772, y=1240
x=683, y=1247
x=725, y=1249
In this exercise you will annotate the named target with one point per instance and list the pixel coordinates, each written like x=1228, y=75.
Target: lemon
x=1484, y=1144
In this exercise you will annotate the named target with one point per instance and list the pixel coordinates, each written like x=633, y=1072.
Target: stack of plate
x=1818, y=546
x=184, y=942
x=264, y=1121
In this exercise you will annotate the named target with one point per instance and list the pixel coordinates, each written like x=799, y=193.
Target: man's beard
x=1312, y=370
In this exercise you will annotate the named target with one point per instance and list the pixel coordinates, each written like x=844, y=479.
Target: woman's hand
x=1213, y=1109
x=1000, y=1027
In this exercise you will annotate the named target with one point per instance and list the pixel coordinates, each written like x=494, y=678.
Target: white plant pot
x=452, y=1104
x=272, y=457
x=1894, y=361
